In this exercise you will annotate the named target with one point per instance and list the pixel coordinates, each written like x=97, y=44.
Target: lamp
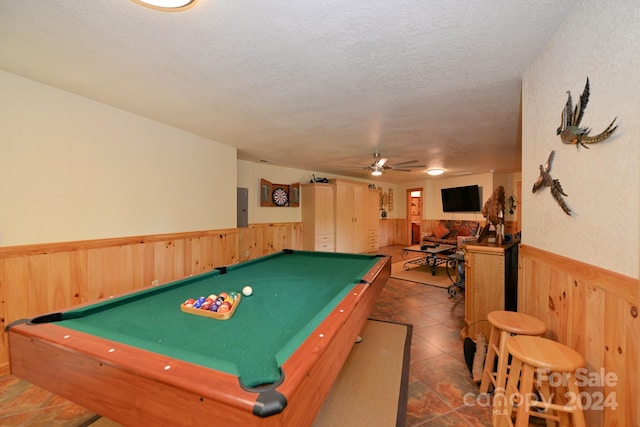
x=435, y=171
x=166, y=4
x=376, y=171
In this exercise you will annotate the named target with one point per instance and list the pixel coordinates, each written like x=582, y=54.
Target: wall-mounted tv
x=461, y=199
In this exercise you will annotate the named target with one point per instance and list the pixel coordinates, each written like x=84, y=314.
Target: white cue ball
x=246, y=291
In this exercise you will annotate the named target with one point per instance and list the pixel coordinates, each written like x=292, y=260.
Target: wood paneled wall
x=595, y=312
x=392, y=231
x=38, y=279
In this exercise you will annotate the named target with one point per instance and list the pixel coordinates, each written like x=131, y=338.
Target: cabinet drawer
x=372, y=233
x=329, y=237
x=325, y=247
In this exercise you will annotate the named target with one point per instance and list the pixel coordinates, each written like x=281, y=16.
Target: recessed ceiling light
x=166, y=4
x=435, y=171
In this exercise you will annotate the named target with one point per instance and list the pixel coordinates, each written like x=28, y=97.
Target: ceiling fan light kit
x=167, y=5
x=435, y=171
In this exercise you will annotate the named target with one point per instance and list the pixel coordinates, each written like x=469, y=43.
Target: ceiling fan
x=380, y=165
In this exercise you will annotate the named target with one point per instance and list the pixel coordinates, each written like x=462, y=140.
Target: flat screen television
x=461, y=199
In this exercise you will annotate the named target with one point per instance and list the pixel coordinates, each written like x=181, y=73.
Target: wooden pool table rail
x=136, y=387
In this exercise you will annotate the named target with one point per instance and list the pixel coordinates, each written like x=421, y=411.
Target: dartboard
x=280, y=196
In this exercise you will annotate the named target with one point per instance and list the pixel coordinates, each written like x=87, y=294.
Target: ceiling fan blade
x=409, y=166
x=406, y=163
x=362, y=168
x=381, y=162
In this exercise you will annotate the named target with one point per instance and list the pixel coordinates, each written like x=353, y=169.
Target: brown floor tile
x=452, y=419
x=421, y=349
x=476, y=411
x=424, y=404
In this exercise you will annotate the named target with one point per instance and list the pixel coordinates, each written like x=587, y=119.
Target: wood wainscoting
x=595, y=312
x=392, y=231
x=41, y=278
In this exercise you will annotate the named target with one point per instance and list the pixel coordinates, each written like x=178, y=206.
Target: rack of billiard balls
x=221, y=306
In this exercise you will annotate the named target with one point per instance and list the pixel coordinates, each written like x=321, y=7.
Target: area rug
x=371, y=389
x=422, y=274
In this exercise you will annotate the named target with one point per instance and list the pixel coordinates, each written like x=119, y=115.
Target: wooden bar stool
x=503, y=325
x=543, y=376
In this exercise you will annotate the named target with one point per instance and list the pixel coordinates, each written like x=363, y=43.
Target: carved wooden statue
x=493, y=211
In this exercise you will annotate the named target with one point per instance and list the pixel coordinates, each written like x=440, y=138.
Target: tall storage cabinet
x=341, y=216
x=350, y=223
x=491, y=283
x=318, y=217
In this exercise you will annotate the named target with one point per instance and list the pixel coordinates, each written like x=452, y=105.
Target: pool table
x=138, y=359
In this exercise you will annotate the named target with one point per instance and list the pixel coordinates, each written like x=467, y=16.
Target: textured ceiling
x=316, y=85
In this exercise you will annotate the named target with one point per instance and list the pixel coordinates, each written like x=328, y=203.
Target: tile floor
x=441, y=392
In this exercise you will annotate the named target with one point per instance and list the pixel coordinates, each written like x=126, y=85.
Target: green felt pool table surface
x=139, y=359
x=292, y=293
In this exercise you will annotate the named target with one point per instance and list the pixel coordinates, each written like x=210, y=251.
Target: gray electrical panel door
x=243, y=207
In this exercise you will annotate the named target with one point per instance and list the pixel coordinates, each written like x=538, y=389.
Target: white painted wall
x=432, y=198
x=74, y=169
x=433, y=201
x=599, y=40
x=250, y=174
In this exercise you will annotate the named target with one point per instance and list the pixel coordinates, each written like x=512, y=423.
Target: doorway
x=414, y=215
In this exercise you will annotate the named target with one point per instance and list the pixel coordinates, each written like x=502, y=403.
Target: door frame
x=407, y=234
